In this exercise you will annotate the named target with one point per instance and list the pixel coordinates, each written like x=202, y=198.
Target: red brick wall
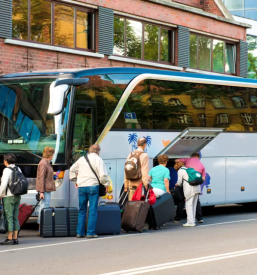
x=211, y=7
x=14, y=58
x=193, y=3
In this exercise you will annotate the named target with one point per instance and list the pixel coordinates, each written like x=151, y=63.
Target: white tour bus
x=178, y=113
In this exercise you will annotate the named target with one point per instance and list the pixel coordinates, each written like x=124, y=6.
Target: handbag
x=3, y=221
x=102, y=188
x=178, y=194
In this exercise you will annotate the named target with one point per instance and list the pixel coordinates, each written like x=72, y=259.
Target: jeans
x=87, y=194
x=11, y=210
x=158, y=192
x=45, y=203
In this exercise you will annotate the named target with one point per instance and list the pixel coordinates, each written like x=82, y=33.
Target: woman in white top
x=191, y=193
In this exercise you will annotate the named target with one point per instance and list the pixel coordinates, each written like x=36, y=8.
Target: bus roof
x=78, y=73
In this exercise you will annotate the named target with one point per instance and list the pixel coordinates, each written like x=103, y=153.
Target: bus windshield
x=26, y=127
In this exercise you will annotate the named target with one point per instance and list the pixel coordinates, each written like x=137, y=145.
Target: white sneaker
x=189, y=224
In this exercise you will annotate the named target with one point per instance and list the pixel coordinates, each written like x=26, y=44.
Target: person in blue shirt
x=159, y=177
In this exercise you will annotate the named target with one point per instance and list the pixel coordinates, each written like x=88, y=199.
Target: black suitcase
x=161, y=212
x=108, y=219
x=134, y=216
x=59, y=222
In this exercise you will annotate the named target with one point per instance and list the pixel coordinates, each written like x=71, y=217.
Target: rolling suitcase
x=108, y=219
x=25, y=212
x=122, y=201
x=59, y=222
x=134, y=216
x=161, y=212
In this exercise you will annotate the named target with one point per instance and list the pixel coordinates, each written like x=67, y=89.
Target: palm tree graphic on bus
x=132, y=139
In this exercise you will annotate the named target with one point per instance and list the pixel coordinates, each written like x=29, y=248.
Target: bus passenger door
x=83, y=136
x=84, y=129
x=194, y=140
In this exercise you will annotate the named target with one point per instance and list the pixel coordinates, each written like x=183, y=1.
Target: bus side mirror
x=57, y=96
x=72, y=81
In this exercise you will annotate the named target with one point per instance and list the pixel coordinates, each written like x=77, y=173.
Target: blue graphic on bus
x=132, y=139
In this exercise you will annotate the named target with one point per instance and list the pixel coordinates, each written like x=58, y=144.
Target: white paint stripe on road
x=212, y=224
x=152, y=268
x=81, y=241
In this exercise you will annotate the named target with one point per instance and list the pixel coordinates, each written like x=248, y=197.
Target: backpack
x=133, y=166
x=194, y=177
x=19, y=185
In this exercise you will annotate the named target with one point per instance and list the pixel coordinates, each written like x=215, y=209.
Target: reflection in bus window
x=83, y=132
x=25, y=126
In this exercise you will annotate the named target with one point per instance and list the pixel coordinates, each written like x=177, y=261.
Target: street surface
x=225, y=244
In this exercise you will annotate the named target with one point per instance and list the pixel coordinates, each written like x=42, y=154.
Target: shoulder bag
x=102, y=188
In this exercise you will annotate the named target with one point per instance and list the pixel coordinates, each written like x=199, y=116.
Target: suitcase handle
x=102, y=203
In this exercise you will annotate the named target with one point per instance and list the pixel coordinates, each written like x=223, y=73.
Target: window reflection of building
x=222, y=118
x=218, y=103
x=185, y=119
x=248, y=118
x=239, y=102
x=199, y=102
x=174, y=102
x=253, y=101
x=202, y=118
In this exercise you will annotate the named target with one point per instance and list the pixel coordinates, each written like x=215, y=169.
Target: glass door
x=84, y=129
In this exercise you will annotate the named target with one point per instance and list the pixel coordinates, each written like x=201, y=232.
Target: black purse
x=178, y=194
x=102, y=188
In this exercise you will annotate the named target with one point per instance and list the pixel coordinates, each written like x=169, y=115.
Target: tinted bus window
x=171, y=105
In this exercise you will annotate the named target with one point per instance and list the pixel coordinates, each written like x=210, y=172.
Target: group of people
x=88, y=173
x=159, y=177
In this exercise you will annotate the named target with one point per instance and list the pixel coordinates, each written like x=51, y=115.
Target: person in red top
x=194, y=162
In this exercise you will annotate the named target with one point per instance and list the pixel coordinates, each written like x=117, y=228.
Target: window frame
x=224, y=54
x=222, y=116
x=143, y=22
x=75, y=8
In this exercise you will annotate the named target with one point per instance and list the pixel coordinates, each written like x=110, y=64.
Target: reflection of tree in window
x=64, y=26
x=239, y=102
x=248, y=118
x=20, y=19
x=222, y=118
x=134, y=38
x=151, y=37
x=218, y=56
x=119, y=36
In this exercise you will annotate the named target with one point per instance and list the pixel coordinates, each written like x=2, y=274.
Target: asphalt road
x=225, y=244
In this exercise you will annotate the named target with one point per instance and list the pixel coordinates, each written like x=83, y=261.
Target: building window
x=248, y=118
x=218, y=103
x=185, y=119
x=243, y=8
x=222, y=118
x=174, y=102
x=141, y=40
x=199, y=102
x=239, y=102
x=212, y=55
x=50, y=22
x=253, y=101
x=202, y=118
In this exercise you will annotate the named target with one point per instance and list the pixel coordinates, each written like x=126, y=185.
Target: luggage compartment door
x=189, y=141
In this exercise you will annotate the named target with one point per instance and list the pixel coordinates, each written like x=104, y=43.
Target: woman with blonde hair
x=45, y=180
x=191, y=193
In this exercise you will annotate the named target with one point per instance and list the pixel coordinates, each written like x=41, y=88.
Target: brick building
x=180, y=35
